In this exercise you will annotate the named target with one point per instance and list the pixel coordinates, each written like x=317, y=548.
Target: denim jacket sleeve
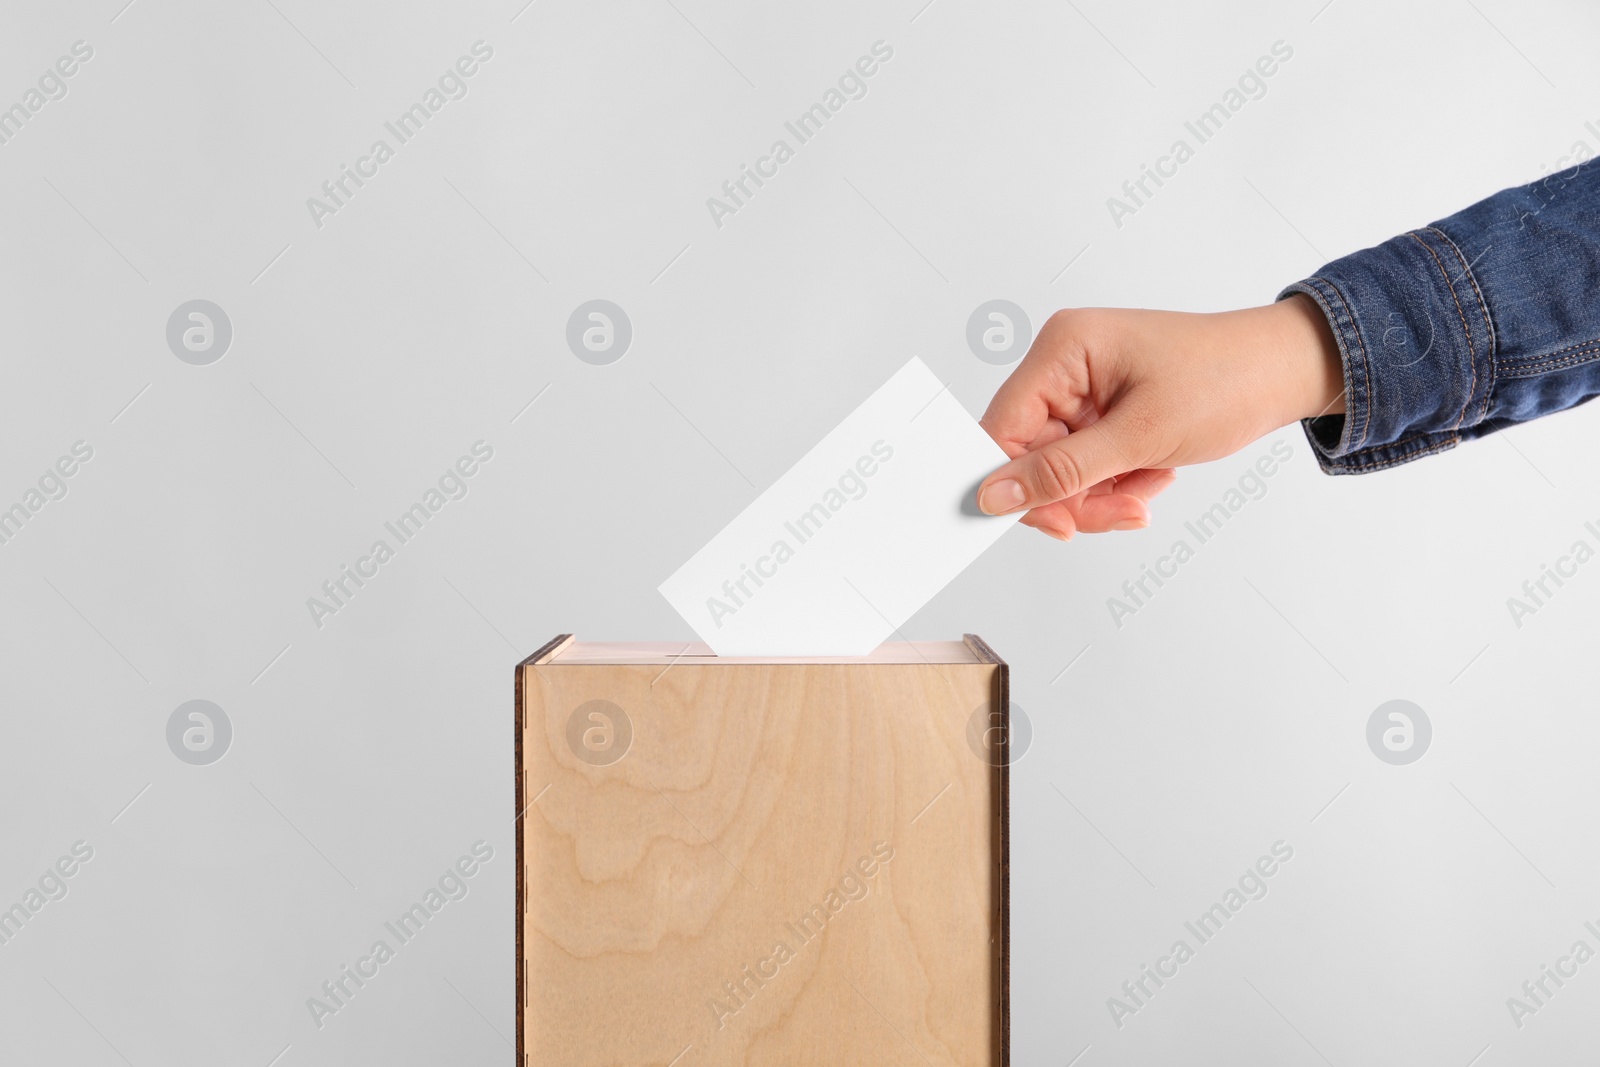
x=1485, y=319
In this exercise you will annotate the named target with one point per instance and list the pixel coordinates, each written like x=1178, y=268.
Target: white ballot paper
x=865, y=529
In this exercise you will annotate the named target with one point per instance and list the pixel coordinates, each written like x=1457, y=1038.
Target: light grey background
x=426, y=315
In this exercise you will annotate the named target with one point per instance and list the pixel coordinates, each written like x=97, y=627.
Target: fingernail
x=1129, y=524
x=1001, y=497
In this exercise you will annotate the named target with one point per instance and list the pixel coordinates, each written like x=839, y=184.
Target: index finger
x=1042, y=387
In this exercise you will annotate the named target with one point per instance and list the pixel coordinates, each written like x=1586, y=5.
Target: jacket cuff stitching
x=1488, y=320
x=1472, y=354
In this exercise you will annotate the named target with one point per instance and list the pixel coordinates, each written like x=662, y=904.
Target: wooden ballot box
x=774, y=861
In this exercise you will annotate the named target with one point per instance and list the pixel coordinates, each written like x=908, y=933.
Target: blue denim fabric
x=1485, y=319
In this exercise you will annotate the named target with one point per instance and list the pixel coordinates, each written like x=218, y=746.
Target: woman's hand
x=1108, y=401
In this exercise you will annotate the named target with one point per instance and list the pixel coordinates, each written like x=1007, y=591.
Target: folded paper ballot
x=865, y=529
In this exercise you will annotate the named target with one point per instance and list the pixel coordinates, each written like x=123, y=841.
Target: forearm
x=1486, y=318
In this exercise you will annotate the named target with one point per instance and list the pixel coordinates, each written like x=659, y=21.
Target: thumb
x=1058, y=470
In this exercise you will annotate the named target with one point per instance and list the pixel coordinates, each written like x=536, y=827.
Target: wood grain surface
x=791, y=864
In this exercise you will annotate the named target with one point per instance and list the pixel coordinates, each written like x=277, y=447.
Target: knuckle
x=1077, y=322
x=1059, y=473
x=1062, y=321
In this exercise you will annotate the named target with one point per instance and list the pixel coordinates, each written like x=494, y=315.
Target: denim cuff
x=1417, y=345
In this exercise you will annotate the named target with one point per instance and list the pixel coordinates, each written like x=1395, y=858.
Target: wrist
x=1307, y=359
